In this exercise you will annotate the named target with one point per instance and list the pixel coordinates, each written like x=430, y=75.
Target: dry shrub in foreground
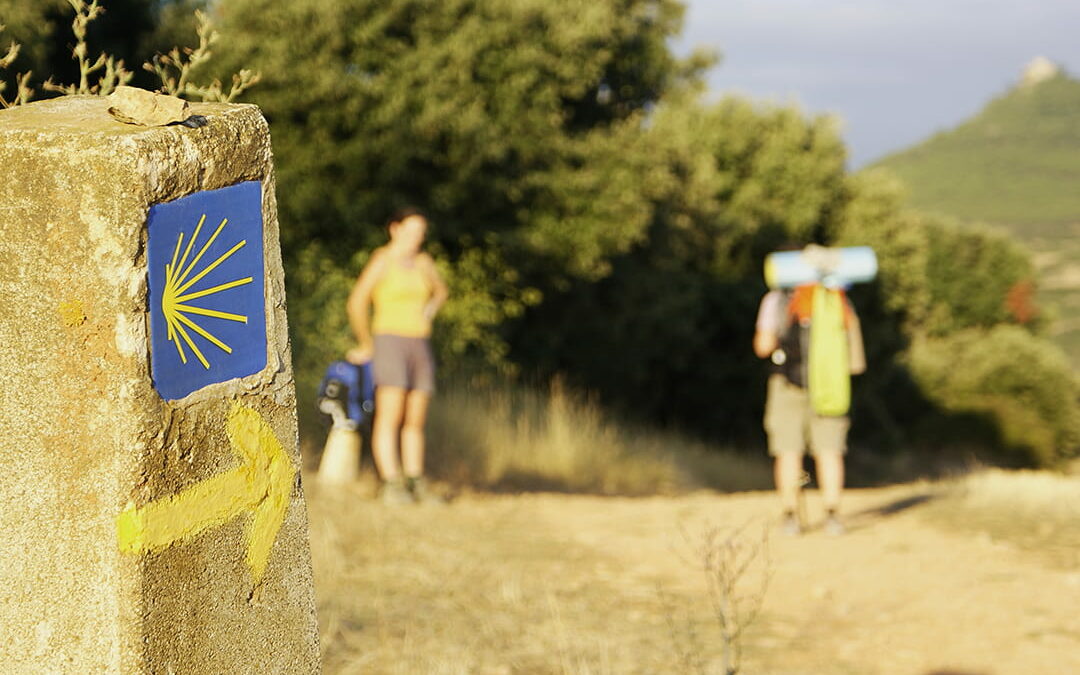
x=737, y=568
x=507, y=437
x=104, y=74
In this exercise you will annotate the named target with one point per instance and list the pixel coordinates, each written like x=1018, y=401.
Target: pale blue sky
x=894, y=71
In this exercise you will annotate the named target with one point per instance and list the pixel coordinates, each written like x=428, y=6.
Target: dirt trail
x=554, y=583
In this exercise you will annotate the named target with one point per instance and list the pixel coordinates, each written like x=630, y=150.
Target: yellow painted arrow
x=261, y=484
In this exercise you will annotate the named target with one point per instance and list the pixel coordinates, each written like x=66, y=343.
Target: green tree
x=514, y=122
x=594, y=218
x=726, y=183
x=954, y=360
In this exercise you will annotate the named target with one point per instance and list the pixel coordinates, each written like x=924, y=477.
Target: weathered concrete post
x=151, y=516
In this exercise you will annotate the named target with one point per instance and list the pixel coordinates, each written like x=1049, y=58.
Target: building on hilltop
x=1039, y=70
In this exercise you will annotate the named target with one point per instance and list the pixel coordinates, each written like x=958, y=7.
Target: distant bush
x=973, y=274
x=1022, y=384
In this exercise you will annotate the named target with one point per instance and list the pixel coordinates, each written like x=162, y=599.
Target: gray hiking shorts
x=405, y=362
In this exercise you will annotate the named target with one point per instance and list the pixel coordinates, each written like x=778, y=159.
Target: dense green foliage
x=1018, y=388
x=600, y=225
x=517, y=124
x=672, y=340
x=956, y=349
x=1015, y=164
x=596, y=221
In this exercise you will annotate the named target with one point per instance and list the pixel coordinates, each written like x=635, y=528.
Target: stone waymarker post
x=151, y=516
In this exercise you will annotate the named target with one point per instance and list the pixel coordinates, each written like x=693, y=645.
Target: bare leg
x=830, y=474
x=389, y=406
x=412, y=433
x=787, y=471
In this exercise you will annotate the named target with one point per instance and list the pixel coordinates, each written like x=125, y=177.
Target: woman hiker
x=402, y=286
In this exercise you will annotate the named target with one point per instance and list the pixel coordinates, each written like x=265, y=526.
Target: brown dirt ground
x=548, y=583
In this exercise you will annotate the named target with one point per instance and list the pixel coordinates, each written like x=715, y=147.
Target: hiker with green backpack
x=809, y=331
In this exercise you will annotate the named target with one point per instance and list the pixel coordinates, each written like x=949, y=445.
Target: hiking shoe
x=790, y=526
x=394, y=493
x=834, y=527
x=421, y=491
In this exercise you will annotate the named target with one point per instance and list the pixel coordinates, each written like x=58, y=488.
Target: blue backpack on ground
x=347, y=394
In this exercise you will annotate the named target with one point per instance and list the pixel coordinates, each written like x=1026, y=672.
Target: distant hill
x=1015, y=164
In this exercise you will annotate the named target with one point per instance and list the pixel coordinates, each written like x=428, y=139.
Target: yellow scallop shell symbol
x=178, y=294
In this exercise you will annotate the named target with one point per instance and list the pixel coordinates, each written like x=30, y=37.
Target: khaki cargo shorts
x=790, y=423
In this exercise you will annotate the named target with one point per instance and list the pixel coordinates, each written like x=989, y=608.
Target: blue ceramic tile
x=207, y=310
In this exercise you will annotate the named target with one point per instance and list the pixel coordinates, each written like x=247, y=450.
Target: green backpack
x=829, y=382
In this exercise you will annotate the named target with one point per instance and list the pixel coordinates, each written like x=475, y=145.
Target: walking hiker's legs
x=830, y=476
x=412, y=433
x=787, y=472
x=785, y=423
x=828, y=442
x=389, y=409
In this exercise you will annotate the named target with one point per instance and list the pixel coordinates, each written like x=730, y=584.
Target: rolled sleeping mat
x=834, y=267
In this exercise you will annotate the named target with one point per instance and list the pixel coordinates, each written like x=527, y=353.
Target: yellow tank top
x=399, y=299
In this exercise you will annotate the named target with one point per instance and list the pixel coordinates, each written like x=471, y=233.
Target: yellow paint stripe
x=176, y=252
x=190, y=343
x=208, y=503
x=205, y=247
x=215, y=289
x=165, y=300
x=263, y=483
x=170, y=321
x=249, y=432
x=183, y=357
x=268, y=518
x=188, y=249
x=209, y=268
x=198, y=329
x=191, y=309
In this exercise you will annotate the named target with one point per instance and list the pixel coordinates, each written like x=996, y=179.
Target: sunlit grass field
x=511, y=438
x=1037, y=511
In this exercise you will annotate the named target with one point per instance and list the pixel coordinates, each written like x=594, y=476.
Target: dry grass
x=506, y=438
x=1035, y=510
x=559, y=583
x=487, y=585
x=484, y=586
x=579, y=583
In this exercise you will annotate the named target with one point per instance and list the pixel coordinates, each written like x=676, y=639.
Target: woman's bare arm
x=439, y=291
x=358, y=307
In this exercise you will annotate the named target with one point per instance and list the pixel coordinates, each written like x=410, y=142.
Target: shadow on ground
x=868, y=517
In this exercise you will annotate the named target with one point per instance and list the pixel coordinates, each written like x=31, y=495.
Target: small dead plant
x=737, y=567
x=114, y=74
x=23, y=91
x=174, y=69
x=102, y=75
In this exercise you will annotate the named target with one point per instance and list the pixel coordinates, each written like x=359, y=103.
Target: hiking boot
x=791, y=526
x=421, y=491
x=834, y=527
x=394, y=493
